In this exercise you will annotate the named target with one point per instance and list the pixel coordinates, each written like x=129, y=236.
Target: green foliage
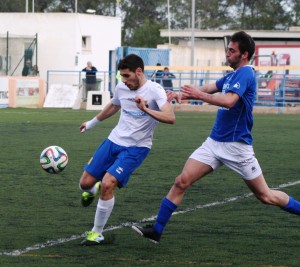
x=147, y=35
x=261, y=15
x=37, y=207
x=12, y=6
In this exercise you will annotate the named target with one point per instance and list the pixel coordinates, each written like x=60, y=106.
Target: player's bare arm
x=227, y=100
x=165, y=115
x=178, y=96
x=108, y=111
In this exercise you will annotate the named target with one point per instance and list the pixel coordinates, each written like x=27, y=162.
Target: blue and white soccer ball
x=54, y=159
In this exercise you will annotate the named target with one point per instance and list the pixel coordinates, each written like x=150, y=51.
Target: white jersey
x=136, y=127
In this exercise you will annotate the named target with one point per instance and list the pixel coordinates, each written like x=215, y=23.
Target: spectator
x=27, y=68
x=167, y=79
x=158, y=74
x=90, y=76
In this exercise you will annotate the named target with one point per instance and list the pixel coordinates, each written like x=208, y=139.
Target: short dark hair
x=131, y=62
x=245, y=41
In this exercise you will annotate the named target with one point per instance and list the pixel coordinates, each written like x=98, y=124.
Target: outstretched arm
x=165, y=115
x=205, y=94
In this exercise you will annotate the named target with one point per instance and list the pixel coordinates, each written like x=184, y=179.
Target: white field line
x=51, y=243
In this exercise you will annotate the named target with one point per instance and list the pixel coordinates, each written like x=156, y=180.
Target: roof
x=292, y=34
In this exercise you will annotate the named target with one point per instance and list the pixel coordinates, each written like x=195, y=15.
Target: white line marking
x=51, y=243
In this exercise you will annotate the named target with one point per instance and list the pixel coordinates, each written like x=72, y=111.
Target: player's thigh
x=87, y=180
x=102, y=159
x=194, y=170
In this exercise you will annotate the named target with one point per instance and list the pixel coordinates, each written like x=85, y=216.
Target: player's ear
x=139, y=71
x=245, y=55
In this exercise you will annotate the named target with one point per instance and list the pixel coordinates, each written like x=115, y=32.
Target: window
x=86, y=43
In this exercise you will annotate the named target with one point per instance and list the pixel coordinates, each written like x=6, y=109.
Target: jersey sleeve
x=240, y=81
x=160, y=95
x=220, y=82
x=115, y=99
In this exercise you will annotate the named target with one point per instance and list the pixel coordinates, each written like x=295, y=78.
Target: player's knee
x=108, y=185
x=182, y=182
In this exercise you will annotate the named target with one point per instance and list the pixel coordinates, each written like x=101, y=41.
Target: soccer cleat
x=147, y=232
x=92, y=239
x=87, y=198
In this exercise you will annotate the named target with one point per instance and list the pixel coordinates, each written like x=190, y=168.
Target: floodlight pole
x=169, y=22
x=193, y=40
x=26, y=6
x=76, y=2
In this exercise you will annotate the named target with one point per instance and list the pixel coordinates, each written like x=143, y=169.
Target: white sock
x=103, y=211
x=92, y=190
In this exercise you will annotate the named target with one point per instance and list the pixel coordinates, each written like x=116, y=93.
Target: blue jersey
x=235, y=124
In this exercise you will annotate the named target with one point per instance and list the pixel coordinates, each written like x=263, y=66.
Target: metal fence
x=272, y=90
x=18, y=55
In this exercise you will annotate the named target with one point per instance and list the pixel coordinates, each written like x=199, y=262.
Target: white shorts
x=237, y=156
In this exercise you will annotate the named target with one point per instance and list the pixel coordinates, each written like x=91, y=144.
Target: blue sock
x=293, y=206
x=164, y=214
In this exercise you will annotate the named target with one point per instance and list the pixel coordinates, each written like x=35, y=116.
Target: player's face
x=130, y=78
x=234, y=56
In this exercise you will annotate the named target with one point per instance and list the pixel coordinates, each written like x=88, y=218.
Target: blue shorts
x=119, y=161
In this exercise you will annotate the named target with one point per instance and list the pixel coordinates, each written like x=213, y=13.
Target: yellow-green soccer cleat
x=87, y=198
x=92, y=239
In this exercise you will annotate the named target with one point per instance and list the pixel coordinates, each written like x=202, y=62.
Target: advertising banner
x=3, y=92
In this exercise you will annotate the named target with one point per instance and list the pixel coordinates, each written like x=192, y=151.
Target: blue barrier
x=272, y=89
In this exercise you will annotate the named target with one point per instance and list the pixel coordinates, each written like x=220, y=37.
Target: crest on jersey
x=237, y=85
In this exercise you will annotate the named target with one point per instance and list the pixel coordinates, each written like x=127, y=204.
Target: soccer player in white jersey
x=230, y=141
x=142, y=104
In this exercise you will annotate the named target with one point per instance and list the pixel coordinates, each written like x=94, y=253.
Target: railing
x=272, y=89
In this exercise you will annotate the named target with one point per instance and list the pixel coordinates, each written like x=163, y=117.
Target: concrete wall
x=60, y=38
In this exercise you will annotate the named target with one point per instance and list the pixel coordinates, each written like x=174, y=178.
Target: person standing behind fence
x=167, y=79
x=158, y=74
x=90, y=83
x=27, y=68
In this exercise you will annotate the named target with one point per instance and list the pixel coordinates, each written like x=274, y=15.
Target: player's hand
x=141, y=103
x=190, y=92
x=173, y=95
x=82, y=127
x=88, y=124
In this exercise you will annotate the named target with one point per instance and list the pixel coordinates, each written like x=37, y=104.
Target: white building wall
x=206, y=53
x=60, y=38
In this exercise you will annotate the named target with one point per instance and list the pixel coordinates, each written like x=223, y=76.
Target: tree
x=134, y=13
x=293, y=11
x=12, y=6
x=261, y=15
x=147, y=35
x=141, y=20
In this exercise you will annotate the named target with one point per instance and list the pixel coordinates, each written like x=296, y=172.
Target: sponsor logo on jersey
x=131, y=99
x=134, y=113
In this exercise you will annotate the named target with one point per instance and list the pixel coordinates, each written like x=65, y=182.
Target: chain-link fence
x=18, y=55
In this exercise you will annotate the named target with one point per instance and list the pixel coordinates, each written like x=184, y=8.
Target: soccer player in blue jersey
x=230, y=141
x=142, y=104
